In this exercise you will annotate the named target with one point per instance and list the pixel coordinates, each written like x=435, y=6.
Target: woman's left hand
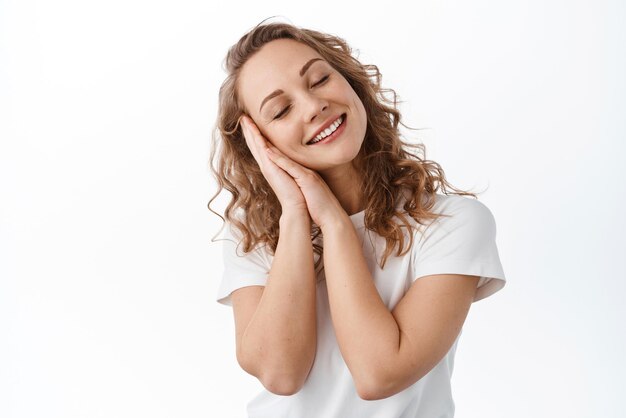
x=322, y=203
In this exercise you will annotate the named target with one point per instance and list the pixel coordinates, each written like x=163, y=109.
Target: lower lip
x=334, y=135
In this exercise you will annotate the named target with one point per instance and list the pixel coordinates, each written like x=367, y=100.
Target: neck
x=345, y=184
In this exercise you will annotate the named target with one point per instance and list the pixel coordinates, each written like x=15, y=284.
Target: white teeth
x=333, y=126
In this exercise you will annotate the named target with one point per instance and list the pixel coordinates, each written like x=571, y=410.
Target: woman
x=323, y=190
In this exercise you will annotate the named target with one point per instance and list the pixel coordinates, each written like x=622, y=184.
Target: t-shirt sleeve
x=464, y=243
x=241, y=269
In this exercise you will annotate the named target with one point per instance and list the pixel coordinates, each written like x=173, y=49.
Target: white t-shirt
x=462, y=244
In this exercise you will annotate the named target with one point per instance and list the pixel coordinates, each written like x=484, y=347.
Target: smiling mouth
x=333, y=133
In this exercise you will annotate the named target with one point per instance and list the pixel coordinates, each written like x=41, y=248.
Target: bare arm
x=278, y=343
x=385, y=351
x=367, y=334
x=388, y=351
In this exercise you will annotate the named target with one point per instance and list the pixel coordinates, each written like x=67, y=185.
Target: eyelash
x=285, y=110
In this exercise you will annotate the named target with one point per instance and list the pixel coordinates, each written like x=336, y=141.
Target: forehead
x=273, y=66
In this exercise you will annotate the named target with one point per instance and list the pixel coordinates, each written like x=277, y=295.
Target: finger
x=257, y=136
x=250, y=141
x=257, y=144
x=244, y=130
x=276, y=150
x=294, y=169
x=246, y=133
x=254, y=134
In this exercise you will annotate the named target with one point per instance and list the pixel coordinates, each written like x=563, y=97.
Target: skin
x=386, y=351
x=327, y=180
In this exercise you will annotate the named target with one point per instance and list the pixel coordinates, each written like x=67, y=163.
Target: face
x=291, y=93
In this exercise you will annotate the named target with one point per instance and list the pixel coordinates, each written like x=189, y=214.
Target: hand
x=323, y=206
x=320, y=201
x=285, y=188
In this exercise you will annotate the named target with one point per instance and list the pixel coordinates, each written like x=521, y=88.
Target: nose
x=313, y=106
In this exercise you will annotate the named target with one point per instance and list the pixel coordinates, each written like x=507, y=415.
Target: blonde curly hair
x=393, y=176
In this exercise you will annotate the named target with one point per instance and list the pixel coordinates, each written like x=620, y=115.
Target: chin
x=337, y=160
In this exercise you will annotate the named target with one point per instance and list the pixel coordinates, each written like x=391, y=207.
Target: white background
x=107, y=270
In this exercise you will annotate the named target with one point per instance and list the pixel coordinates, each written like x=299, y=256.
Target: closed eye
x=286, y=110
x=322, y=80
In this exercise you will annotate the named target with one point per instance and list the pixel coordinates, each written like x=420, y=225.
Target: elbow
x=375, y=389
x=282, y=385
x=381, y=388
x=277, y=383
x=369, y=393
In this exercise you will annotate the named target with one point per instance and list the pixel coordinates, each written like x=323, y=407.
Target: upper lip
x=324, y=126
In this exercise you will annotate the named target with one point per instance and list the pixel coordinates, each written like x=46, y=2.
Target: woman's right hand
x=285, y=187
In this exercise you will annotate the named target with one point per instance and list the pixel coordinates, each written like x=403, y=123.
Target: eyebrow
x=278, y=92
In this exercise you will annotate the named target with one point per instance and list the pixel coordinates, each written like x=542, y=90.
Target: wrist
x=337, y=223
x=295, y=216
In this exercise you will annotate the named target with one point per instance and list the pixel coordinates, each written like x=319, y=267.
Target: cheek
x=274, y=137
x=362, y=114
x=287, y=140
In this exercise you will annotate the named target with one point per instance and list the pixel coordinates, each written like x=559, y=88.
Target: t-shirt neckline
x=358, y=219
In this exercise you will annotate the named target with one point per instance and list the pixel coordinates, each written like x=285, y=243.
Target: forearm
x=367, y=333
x=280, y=341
